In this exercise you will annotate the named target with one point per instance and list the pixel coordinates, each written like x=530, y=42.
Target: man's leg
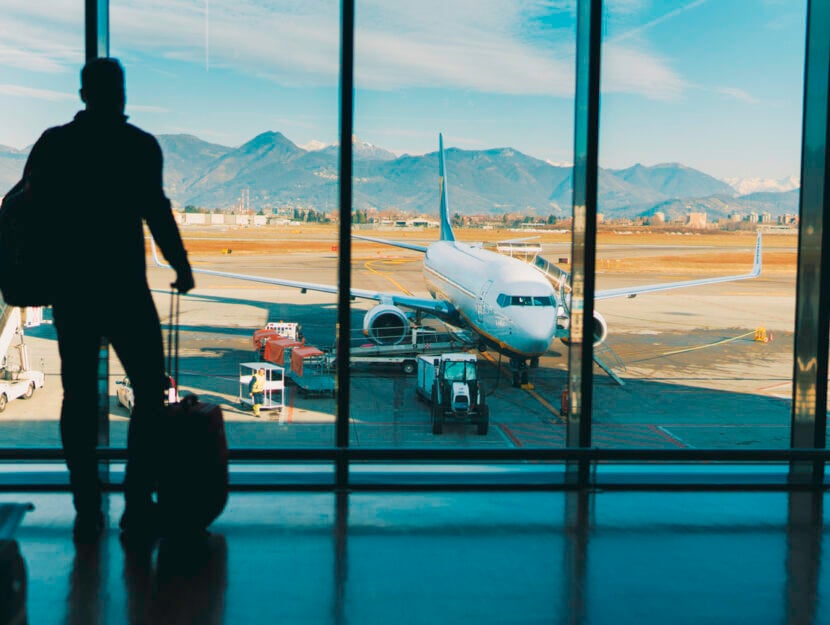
x=137, y=342
x=79, y=343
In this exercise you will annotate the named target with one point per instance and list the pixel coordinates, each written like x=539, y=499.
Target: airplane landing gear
x=520, y=372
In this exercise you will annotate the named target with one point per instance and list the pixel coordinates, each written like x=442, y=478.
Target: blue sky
x=713, y=84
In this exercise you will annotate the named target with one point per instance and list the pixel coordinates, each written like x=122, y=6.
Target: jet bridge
x=561, y=279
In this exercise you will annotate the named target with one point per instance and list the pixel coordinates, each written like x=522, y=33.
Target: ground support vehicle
x=274, y=330
x=450, y=384
x=422, y=341
x=16, y=381
x=274, y=393
x=15, y=384
x=125, y=395
x=311, y=372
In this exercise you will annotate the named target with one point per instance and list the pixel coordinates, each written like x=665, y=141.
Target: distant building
x=191, y=219
x=658, y=218
x=753, y=218
x=600, y=218
x=696, y=220
x=766, y=218
x=736, y=217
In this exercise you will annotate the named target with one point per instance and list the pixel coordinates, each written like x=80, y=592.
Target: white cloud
x=627, y=70
x=39, y=94
x=738, y=94
x=144, y=108
x=45, y=36
x=485, y=46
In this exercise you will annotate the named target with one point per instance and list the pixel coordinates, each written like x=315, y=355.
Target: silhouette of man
x=100, y=178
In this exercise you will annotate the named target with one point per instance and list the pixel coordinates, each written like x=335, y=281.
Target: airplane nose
x=537, y=333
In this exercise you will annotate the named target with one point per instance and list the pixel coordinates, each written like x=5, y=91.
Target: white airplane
x=511, y=305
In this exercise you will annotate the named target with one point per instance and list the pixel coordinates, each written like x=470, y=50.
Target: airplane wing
x=406, y=246
x=666, y=286
x=441, y=309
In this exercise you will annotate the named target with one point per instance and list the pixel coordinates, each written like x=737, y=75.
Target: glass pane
x=242, y=97
x=41, y=54
x=497, y=84
x=700, y=148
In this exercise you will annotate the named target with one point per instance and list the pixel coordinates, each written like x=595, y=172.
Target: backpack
x=25, y=277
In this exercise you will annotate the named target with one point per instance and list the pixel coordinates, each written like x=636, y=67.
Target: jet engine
x=600, y=329
x=386, y=325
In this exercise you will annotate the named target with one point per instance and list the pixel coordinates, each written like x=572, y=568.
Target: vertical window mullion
x=586, y=140
x=344, y=261
x=812, y=319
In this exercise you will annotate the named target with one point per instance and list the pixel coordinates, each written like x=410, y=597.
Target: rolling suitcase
x=193, y=476
x=12, y=584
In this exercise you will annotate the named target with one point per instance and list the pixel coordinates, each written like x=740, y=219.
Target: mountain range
x=274, y=172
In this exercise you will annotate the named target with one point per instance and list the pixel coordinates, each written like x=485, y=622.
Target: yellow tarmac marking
x=529, y=391
x=696, y=347
x=400, y=261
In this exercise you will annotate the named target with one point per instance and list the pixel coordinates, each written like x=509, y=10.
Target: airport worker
x=99, y=178
x=257, y=390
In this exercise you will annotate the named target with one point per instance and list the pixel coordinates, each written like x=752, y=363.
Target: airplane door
x=482, y=309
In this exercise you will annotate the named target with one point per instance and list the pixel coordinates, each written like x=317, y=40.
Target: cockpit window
x=505, y=300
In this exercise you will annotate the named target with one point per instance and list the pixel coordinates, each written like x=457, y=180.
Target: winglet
x=756, y=266
x=156, y=254
x=446, y=227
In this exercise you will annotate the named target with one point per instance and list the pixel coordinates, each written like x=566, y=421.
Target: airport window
x=701, y=199
x=42, y=53
x=242, y=97
x=494, y=116
x=698, y=156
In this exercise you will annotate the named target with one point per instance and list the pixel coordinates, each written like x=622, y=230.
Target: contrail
x=207, y=35
x=657, y=20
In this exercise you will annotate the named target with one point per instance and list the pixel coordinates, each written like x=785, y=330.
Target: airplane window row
x=524, y=300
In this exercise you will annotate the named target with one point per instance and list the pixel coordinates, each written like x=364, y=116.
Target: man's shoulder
x=142, y=136
x=55, y=133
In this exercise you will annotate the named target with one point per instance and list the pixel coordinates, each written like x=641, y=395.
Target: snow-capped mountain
x=753, y=185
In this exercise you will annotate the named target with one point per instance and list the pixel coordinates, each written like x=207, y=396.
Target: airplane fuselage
x=507, y=302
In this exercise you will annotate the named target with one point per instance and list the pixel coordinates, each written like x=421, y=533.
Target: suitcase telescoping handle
x=173, y=339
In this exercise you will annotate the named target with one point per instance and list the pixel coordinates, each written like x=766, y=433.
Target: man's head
x=262, y=372
x=102, y=86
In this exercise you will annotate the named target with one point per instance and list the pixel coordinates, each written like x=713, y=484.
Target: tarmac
x=693, y=375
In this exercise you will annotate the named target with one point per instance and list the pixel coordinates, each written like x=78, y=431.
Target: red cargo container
x=275, y=349
x=300, y=354
x=260, y=336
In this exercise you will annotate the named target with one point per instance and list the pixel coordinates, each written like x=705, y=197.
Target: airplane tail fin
x=446, y=227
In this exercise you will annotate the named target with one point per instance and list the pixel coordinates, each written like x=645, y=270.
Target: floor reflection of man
x=186, y=585
x=84, y=601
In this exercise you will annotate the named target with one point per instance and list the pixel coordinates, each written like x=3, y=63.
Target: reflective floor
x=500, y=558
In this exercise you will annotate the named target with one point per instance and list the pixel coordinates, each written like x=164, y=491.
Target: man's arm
x=159, y=217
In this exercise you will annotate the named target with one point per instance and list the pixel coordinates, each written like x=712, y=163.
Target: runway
x=693, y=375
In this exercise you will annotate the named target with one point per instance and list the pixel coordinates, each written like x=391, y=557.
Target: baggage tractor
x=193, y=474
